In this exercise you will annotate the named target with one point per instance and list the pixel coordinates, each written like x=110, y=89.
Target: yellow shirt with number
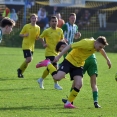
x=80, y=52
x=52, y=37
x=29, y=41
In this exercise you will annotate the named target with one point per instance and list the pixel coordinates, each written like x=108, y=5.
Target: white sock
x=56, y=84
x=67, y=102
x=48, y=63
x=41, y=79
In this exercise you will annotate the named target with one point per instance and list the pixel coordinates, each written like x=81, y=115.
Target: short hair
x=72, y=14
x=33, y=14
x=59, y=44
x=102, y=39
x=6, y=21
x=52, y=17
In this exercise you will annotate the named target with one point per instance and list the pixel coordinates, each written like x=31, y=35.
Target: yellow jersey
x=52, y=37
x=80, y=52
x=34, y=32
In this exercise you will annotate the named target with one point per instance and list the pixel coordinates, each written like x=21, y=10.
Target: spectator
x=42, y=18
x=60, y=21
x=85, y=21
x=55, y=10
x=6, y=12
x=33, y=2
x=78, y=16
x=52, y=11
x=13, y=15
x=102, y=17
x=29, y=4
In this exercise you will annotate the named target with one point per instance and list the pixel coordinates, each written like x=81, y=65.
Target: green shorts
x=91, y=67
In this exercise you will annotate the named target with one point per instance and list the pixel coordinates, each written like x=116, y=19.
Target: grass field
x=24, y=98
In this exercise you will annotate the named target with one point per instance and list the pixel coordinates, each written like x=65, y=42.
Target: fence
x=97, y=10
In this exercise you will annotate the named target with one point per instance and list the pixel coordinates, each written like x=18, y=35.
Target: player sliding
x=74, y=62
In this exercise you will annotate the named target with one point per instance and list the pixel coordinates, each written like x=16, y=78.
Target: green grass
x=24, y=98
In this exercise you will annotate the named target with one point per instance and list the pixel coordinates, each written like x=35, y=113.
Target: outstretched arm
x=102, y=51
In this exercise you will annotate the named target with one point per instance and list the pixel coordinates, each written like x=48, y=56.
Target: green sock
x=95, y=96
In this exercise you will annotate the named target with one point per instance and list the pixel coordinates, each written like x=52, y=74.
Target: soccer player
x=52, y=36
x=30, y=33
x=70, y=30
x=91, y=67
x=74, y=62
x=6, y=26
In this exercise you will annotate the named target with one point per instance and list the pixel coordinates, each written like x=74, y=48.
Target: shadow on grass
x=16, y=89
x=4, y=79
x=16, y=78
x=32, y=108
x=17, y=108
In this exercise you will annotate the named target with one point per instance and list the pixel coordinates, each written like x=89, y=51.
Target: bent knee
x=57, y=78
x=28, y=60
x=78, y=86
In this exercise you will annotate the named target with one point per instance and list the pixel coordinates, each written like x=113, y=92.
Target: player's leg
x=56, y=84
x=66, y=67
x=93, y=72
x=41, y=80
x=28, y=58
x=94, y=90
x=65, y=100
x=76, y=75
x=45, y=74
x=84, y=70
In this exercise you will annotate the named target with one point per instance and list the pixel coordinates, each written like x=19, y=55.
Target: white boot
x=40, y=81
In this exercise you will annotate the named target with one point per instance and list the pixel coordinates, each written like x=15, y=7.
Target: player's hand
x=26, y=35
x=45, y=45
x=77, y=35
x=109, y=63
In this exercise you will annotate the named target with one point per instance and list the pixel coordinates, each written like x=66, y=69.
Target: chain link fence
x=93, y=20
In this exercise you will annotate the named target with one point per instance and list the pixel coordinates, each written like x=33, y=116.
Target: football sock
x=73, y=94
x=23, y=66
x=95, y=96
x=51, y=68
x=45, y=73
